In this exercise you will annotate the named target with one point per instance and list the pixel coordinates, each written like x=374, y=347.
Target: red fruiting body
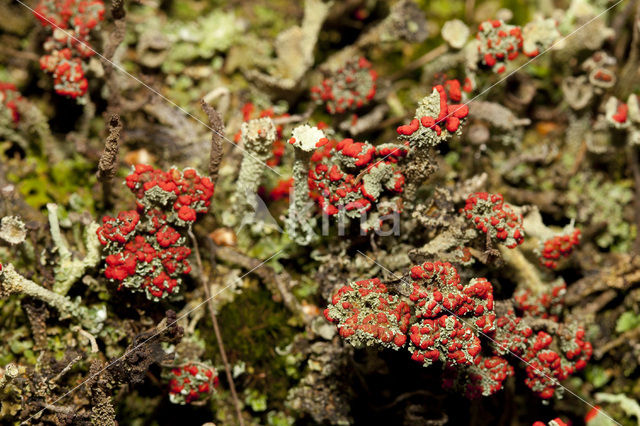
x=498, y=43
x=282, y=189
x=366, y=314
x=592, y=414
x=70, y=22
x=445, y=339
x=9, y=97
x=621, y=113
x=545, y=305
x=557, y=246
x=191, y=383
x=555, y=422
x=484, y=378
x=349, y=88
x=489, y=214
x=442, y=126
x=351, y=177
x=437, y=290
x=549, y=358
x=146, y=248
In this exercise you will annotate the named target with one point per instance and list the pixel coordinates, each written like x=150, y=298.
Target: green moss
x=252, y=327
x=41, y=183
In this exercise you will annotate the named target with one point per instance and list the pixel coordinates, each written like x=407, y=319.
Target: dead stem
x=216, y=328
x=108, y=163
x=632, y=156
x=217, y=135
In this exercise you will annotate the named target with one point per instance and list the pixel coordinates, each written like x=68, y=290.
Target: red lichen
x=9, y=98
x=70, y=22
x=491, y=215
x=437, y=290
x=498, y=43
x=191, y=383
x=350, y=87
x=365, y=313
x=449, y=118
x=146, y=248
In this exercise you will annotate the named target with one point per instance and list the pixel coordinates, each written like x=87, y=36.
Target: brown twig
x=108, y=163
x=632, y=156
x=113, y=40
x=422, y=60
x=216, y=328
x=217, y=135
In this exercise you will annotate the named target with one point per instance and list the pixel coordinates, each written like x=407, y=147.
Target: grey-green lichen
x=69, y=268
x=11, y=282
x=625, y=117
x=299, y=222
x=12, y=230
x=595, y=200
x=258, y=137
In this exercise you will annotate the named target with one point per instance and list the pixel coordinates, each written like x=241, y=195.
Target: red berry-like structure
x=455, y=325
x=555, y=422
x=491, y=215
x=445, y=339
x=191, y=383
x=366, y=314
x=437, y=290
x=353, y=177
x=498, y=43
x=146, y=248
x=545, y=305
x=349, y=88
x=70, y=23
x=483, y=378
x=558, y=246
x=9, y=97
x=436, y=120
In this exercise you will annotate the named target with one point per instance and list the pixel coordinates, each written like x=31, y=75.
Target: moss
x=41, y=182
x=252, y=328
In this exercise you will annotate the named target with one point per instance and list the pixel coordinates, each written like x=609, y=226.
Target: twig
x=422, y=60
x=627, y=337
x=113, y=40
x=214, y=320
x=66, y=369
x=635, y=170
x=57, y=409
x=108, y=164
x=88, y=336
x=217, y=135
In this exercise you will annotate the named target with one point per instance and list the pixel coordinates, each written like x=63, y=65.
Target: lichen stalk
x=70, y=269
x=11, y=282
x=258, y=137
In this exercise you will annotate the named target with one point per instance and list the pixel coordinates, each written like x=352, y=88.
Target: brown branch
x=108, y=164
x=422, y=60
x=632, y=156
x=216, y=328
x=113, y=40
x=217, y=135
